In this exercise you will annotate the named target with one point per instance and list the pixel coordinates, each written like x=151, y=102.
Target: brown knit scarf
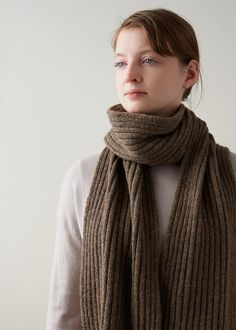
x=127, y=281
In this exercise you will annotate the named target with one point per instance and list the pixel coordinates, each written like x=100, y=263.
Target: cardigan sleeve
x=63, y=311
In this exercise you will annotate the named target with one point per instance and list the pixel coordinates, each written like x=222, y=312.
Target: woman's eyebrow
x=143, y=51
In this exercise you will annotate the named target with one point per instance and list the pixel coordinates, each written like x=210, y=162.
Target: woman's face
x=139, y=67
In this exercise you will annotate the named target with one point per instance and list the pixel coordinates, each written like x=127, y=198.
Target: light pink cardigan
x=63, y=304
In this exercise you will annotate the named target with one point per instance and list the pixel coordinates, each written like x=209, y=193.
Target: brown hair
x=168, y=33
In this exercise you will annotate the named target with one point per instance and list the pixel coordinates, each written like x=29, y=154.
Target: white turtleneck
x=63, y=303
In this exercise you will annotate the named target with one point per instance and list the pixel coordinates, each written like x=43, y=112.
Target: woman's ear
x=192, y=74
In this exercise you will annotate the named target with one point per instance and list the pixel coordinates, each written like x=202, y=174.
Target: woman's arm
x=63, y=304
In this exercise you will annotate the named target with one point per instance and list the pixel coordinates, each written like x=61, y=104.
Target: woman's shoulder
x=82, y=168
x=75, y=188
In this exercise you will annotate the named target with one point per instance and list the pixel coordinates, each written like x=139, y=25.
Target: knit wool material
x=128, y=281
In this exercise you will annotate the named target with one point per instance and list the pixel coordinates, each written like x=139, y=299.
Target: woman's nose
x=132, y=73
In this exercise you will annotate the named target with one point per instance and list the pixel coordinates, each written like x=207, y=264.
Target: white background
x=56, y=83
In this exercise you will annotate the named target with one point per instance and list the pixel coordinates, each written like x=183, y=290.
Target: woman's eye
x=120, y=64
x=117, y=64
x=148, y=59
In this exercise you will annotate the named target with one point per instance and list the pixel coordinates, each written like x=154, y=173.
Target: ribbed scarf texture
x=127, y=280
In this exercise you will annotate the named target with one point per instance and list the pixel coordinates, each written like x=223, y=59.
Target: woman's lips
x=135, y=95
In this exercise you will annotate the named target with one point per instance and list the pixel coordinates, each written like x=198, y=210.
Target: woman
x=146, y=229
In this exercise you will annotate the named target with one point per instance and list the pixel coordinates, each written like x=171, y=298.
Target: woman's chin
x=135, y=108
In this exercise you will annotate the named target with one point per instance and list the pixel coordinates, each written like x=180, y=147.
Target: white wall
x=56, y=83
